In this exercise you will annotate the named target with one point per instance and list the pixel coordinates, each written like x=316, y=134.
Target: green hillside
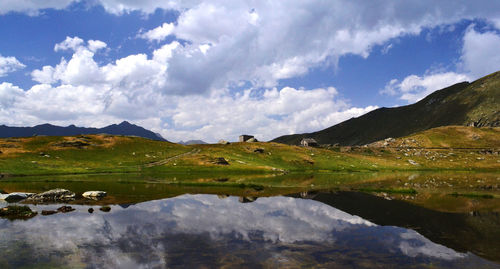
x=476, y=104
x=445, y=148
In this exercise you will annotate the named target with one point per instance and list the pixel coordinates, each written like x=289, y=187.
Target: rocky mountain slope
x=472, y=104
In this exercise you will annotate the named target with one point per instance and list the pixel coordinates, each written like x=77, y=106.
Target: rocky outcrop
x=55, y=195
x=258, y=150
x=220, y=161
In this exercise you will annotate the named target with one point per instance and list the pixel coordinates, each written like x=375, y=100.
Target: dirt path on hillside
x=165, y=161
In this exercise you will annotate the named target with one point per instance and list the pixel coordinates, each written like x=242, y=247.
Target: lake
x=296, y=221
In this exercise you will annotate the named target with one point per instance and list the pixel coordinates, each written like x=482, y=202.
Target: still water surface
x=308, y=229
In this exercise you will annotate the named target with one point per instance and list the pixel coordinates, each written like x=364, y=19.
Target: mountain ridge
x=123, y=128
x=474, y=104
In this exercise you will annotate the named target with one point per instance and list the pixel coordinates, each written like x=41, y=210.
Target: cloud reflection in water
x=204, y=229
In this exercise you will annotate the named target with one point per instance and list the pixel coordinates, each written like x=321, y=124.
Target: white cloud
x=256, y=43
x=95, y=45
x=159, y=33
x=413, y=88
x=267, y=116
x=72, y=43
x=479, y=57
x=149, y=234
x=9, y=64
x=480, y=53
x=32, y=7
x=135, y=88
x=9, y=94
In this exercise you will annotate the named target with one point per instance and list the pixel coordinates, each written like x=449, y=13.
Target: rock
x=223, y=142
x=48, y=212
x=65, y=209
x=91, y=210
x=258, y=150
x=220, y=161
x=412, y=162
x=13, y=212
x=105, y=208
x=53, y=196
x=15, y=196
x=76, y=144
x=251, y=140
x=94, y=194
x=247, y=199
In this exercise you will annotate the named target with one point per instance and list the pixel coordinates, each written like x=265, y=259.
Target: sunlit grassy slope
x=476, y=103
x=453, y=147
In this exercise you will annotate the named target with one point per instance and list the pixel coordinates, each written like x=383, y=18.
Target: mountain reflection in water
x=194, y=230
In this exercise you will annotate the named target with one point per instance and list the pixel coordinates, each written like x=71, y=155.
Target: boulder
x=258, y=150
x=94, y=194
x=105, y=208
x=223, y=142
x=54, y=195
x=14, y=212
x=220, y=161
x=15, y=196
x=246, y=199
x=65, y=209
x=48, y=212
x=251, y=140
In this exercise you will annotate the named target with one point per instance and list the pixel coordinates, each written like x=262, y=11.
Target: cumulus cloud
x=95, y=45
x=69, y=43
x=176, y=87
x=159, y=33
x=480, y=55
x=9, y=64
x=136, y=88
x=269, y=115
x=413, y=88
x=478, y=58
x=32, y=7
x=149, y=234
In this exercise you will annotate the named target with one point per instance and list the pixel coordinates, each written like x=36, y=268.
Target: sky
x=216, y=69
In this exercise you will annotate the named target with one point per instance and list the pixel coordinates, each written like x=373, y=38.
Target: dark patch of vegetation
x=473, y=195
x=14, y=212
x=393, y=191
x=74, y=144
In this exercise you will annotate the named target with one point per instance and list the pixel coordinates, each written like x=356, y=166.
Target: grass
x=95, y=154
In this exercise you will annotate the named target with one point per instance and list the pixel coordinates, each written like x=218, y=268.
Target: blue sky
x=215, y=69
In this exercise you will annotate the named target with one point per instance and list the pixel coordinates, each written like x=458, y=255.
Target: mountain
x=473, y=104
x=124, y=128
x=192, y=142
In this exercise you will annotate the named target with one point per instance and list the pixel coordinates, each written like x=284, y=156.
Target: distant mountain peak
x=124, y=128
x=125, y=123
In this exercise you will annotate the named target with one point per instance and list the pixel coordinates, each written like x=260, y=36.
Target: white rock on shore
x=94, y=194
